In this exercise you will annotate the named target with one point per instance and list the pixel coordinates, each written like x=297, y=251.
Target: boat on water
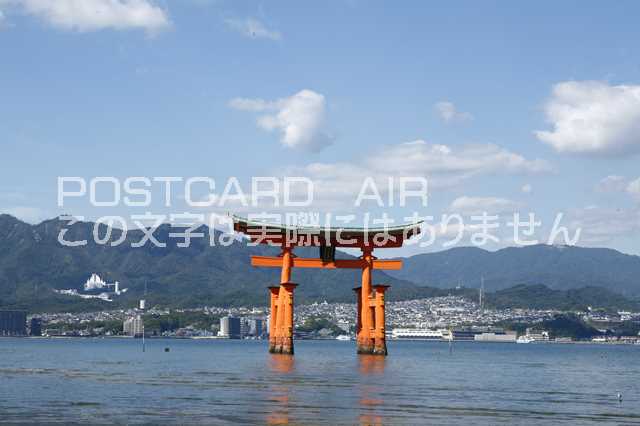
x=343, y=337
x=418, y=334
x=524, y=339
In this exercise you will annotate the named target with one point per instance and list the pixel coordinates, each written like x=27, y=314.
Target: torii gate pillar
x=370, y=324
x=380, y=340
x=273, y=318
x=281, y=320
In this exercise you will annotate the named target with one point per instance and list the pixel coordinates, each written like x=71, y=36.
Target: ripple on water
x=325, y=383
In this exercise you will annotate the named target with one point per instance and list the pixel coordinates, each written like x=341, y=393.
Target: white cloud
x=602, y=225
x=527, y=188
x=443, y=167
x=611, y=183
x=634, y=188
x=421, y=158
x=94, y=15
x=300, y=118
x=449, y=113
x=477, y=205
x=619, y=184
x=593, y=117
x=251, y=27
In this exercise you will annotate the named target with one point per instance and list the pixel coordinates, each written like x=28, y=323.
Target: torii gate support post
x=273, y=318
x=380, y=342
x=370, y=322
x=287, y=329
x=365, y=337
x=358, y=291
x=281, y=320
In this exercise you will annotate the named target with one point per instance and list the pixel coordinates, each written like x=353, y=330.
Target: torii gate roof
x=278, y=234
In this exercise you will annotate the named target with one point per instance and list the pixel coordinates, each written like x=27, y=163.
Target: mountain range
x=33, y=263
x=557, y=267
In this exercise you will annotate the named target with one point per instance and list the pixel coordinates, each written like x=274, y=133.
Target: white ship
x=417, y=334
x=343, y=337
x=524, y=339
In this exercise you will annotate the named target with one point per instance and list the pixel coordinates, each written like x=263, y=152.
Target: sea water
x=110, y=380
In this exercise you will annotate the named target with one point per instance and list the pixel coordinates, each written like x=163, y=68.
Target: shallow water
x=221, y=382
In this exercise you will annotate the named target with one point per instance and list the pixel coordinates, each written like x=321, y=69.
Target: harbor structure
x=537, y=335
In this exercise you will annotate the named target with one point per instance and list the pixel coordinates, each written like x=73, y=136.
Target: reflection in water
x=280, y=366
x=281, y=363
x=370, y=420
x=372, y=372
x=371, y=364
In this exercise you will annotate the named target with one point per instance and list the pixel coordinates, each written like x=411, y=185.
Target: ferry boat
x=417, y=334
x=524, y=339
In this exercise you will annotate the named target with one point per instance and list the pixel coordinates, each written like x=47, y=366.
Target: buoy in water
x=619, y=397
x=166, y=349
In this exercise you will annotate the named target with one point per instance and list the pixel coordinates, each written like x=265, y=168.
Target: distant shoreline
x=574, y=342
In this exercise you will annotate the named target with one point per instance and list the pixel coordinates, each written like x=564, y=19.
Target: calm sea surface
x=223, y=382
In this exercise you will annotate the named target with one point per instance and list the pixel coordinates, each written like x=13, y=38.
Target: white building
x=509, y=336
x=96, y=288
x=96, y=283
x=133, y=326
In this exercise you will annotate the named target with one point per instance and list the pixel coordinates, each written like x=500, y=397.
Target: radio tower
x=143, y=306
x=481, y=296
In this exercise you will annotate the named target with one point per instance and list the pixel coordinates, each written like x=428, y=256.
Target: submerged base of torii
x=371, y=338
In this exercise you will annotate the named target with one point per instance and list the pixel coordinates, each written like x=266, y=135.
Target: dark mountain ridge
x=576, y=299
x=33, y=263
x=558, y=267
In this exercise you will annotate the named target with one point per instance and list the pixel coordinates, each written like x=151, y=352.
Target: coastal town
x=437, y=318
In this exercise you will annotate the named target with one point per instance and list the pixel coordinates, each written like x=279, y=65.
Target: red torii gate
x=370, y=326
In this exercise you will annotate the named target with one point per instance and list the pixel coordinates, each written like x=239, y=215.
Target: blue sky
x=209, y=88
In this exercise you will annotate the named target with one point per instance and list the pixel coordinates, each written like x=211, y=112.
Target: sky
x=502, y=107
